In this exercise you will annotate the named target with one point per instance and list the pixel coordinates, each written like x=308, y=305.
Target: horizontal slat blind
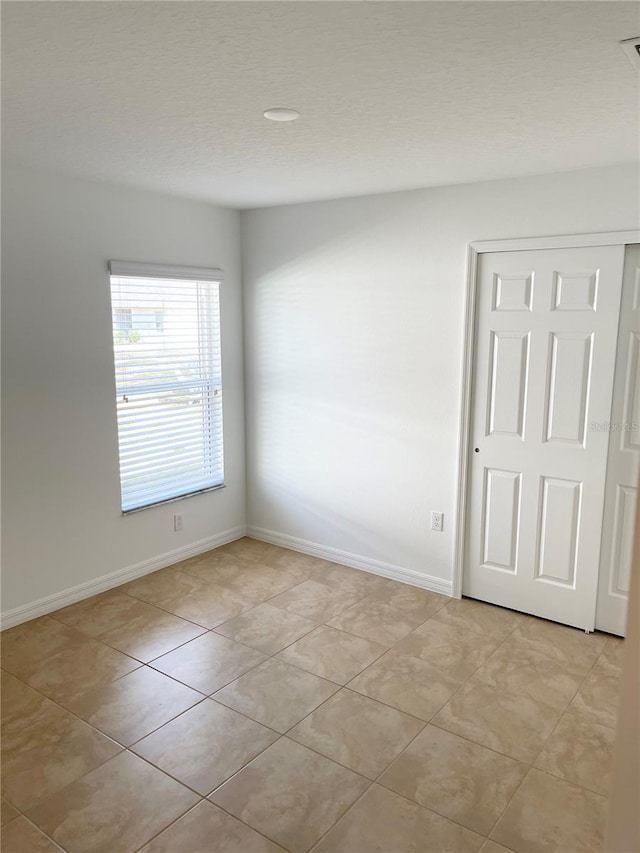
x=166, y=342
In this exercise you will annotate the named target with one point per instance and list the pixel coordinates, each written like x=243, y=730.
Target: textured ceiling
x=392, y=95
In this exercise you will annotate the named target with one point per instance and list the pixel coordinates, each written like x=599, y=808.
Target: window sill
x=133, y=510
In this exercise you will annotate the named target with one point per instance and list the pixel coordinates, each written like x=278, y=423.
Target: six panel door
x=545, y=344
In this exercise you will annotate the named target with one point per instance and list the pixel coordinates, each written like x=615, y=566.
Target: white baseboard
x=345, y=558
x=49, y=603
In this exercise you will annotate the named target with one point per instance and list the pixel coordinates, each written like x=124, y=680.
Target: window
x=122, y=321
x=166, y=343
x=146, y=318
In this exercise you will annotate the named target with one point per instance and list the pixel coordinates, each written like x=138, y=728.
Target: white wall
x=353, y=331
x=61, y=513
x=354, y=313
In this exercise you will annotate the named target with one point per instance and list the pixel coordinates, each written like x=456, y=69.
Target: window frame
x=141, y=270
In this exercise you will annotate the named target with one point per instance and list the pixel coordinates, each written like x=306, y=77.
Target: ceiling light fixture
x=281, y=114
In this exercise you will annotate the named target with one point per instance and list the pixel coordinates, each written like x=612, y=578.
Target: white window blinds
x=166, y=343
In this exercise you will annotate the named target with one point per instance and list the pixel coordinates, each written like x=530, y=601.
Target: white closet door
x=623, y=469
x=546, y=330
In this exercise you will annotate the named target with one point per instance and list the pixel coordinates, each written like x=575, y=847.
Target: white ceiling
x=392, y=95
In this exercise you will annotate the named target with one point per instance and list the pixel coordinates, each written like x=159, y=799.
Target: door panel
x=623, y=532
x=501, y=519
x=509, y=370
x=545, y=344
x=632, y=392
x=575, y=291
x=568, y=386
x=558, y=535
x=512, y=292
x=623, y=470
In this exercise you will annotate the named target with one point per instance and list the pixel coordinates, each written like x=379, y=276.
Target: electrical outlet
x=177, y=523
x=437, y=521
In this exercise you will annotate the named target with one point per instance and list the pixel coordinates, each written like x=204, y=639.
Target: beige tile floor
x=256, y=700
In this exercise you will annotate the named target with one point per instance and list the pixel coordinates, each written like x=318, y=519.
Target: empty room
x=320, y=426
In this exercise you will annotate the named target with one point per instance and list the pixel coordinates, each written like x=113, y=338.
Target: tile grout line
x=529, y=766
x=339, y=687
x=173, y=822
x=424, y=726
x=257, y=603
x=309, y=672
x=468, y=740
x=377, y=781
x=122, y=748
x=66, y=710
x=424, y=723
x=564, y=714
x=119, y=591
x=105, y=686
x=38, y=829
x=240, y=820
x=510, y=800
x=532, y=764
x=128, y=748
x=285, y=734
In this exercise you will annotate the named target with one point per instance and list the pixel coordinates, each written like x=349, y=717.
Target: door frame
x=474, y=250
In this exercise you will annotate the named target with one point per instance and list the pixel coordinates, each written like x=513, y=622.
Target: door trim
x=474, y=250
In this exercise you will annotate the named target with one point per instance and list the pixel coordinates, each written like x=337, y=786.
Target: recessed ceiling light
x=281, y=114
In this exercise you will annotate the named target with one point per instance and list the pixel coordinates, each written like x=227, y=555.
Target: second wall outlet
x=177, y=523
x=437, y=521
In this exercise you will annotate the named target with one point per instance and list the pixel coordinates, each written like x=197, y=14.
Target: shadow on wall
x=347, y=419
